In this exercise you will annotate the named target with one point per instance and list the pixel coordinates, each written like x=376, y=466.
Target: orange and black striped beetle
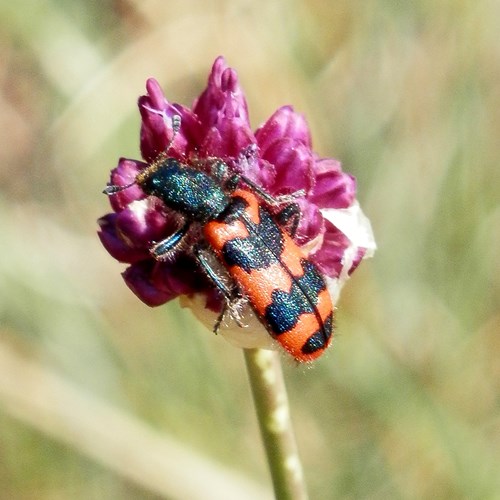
x=267, y=268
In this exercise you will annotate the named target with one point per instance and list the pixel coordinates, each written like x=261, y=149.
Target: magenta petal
x=329, y=258
x=138, y=279
x=294, y=166
x=156, y=126
x=156, y=96
x=155, y=111
x=223, y=115
x=311, y=221
x=285, y=122
x=326, y=165
x=182, y=276
x=158, y=282
x=189, y=136
x=208, y=104
x=123, y=175
x=115, y=244
x=141, y=223
x=334, y=190
x=225, y=141
x=259, y=171
x=223, y=97
x=214, y=300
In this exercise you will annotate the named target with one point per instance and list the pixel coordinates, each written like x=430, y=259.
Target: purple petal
x=138, y=279
x=222, y=95
x=222, y=111
x=333, y=188
x=181, y=276
x=156, y=126
x=285, y=122
x=214, y=300
x=129, y=234
x=211, y=99
x=257, y=170
x=326, y=165
x=143, y=222
x=115, y=244
x=226, y=140
x=123, y=175
x=329, y=257
x=158, y=282
x=311, y=221
x=293, y=163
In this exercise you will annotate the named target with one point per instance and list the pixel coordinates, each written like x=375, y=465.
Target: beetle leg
x=199, y=253
x=220, y=318
x=289, y=218
x=233, y=307
x=232, y=298
x=232, y=183
x=268, y=198
x=163, y=249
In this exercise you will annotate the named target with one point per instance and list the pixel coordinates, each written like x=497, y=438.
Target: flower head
x=277, y=157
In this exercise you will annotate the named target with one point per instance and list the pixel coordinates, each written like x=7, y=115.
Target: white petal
x=356, y=226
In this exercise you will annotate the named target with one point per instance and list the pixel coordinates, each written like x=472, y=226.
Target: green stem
x=271, y=404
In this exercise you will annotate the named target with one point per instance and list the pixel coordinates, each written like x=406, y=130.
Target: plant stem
x=271, y=404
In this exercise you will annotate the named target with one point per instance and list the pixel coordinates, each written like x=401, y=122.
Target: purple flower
x=278, y=157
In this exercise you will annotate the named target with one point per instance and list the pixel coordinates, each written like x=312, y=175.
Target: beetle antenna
x=176, y=126
x=111, y=189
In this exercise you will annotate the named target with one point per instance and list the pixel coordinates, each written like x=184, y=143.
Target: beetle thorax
x=185, y=189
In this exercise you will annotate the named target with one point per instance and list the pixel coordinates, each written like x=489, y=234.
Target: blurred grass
x=406, y=94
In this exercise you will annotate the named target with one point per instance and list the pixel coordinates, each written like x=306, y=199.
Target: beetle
x=256, y=249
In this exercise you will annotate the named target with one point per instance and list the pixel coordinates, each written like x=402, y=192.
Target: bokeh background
x=102, y=397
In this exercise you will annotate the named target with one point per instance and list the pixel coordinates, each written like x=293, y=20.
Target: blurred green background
x=102, y=397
